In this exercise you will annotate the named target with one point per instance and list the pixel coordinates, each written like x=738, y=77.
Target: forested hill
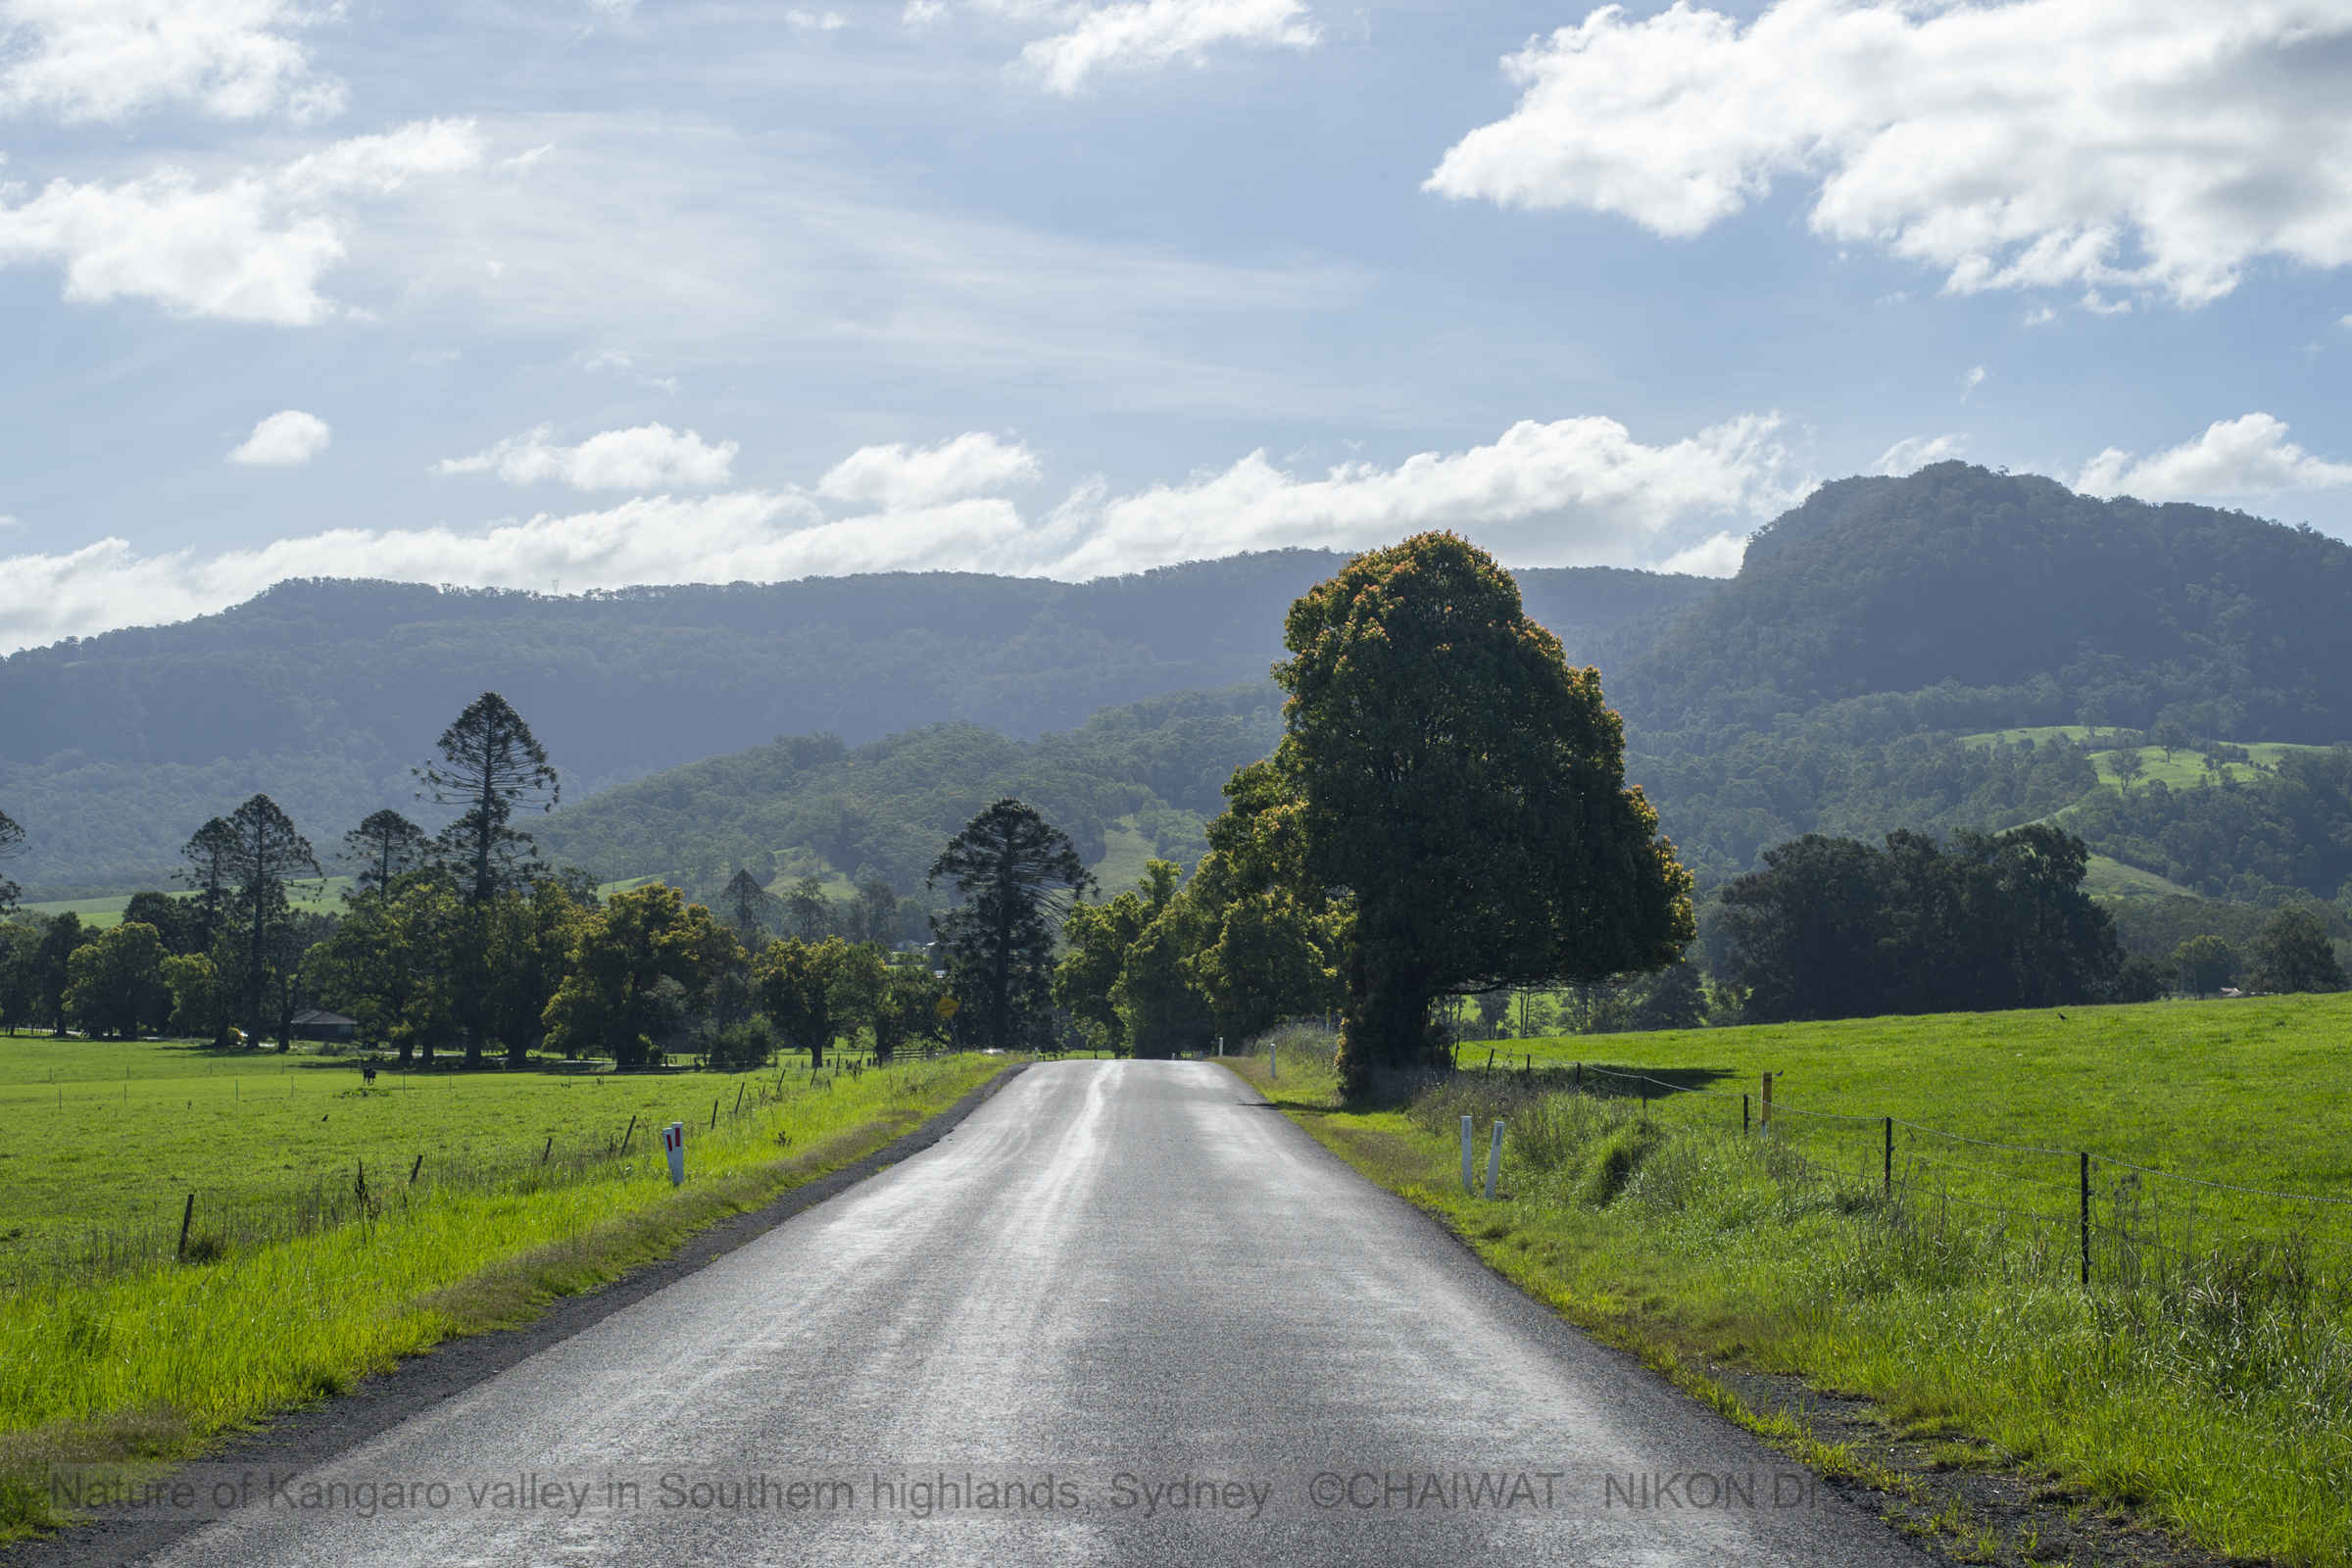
x=325, y=692
x=1154, y=770
x=2026, y=603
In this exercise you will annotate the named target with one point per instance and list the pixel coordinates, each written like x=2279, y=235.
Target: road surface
x=1124, y=1313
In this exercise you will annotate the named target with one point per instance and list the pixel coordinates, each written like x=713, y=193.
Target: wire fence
x=210, y=1222
x=2101, y=1218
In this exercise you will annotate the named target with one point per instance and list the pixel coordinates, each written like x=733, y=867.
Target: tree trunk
x=1383, y=1023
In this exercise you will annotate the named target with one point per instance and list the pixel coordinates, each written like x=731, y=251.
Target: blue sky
x=574, y=293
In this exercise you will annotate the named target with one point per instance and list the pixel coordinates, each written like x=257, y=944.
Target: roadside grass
x=120, y=1133
x=148, y=1366
x=2216, y=1400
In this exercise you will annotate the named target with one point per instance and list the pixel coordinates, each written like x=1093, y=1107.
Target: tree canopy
x=1463, y=789
x=1016, y=877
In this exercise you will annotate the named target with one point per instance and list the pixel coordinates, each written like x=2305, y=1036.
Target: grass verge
x=2218, y=1405
x=148, y=1368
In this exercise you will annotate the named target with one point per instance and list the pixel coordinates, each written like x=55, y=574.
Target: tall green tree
x=633, y=966
x=208, y=874
x=384, y=847
x=387, y=963
x=877, y=911
x=2204, y=964
x=530, y=932
x=909, y=1008
x=748, y=908
x=199, y=1003
x=491, y=766
x=1016, y=877
x=815, y=991
x=1097, y=939
x=1465, y=790
x=264, y=853
x=811, y=913
x=19, y=947
x=115, y=983
x=2293, y=953
x=50, y=975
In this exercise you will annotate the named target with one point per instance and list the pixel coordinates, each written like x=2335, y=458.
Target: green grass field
x=2254, y=1091
x=322, y=897
x=125, y=1131
x=2210, y=1391
x=143, y=1363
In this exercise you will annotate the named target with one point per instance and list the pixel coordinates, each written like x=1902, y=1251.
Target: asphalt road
x=1121, y=1314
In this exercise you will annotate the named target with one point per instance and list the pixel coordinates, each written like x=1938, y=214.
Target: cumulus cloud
x=816, y=20
x=1717, y=556
x=2249, y=456
x=1914, y=453
x=1572, y=490
x=287, y=439
x=253, y=248
x=895, y=476
x=648, y=457
x=1144, y=34
x=1569, y=492
x=106, y=60
x=2142, y=146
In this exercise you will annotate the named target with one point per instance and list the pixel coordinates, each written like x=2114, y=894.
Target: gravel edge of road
x=316, y=1434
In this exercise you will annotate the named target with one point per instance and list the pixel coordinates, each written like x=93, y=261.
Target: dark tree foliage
x=385, y=846
x=178, y=923
x=2249, y=839
x=264, y=853
x=1833, y=929
x=12, y=847
x=50, y=972
x=1016, y=878
x=2293, y=953
x=748, y=908
x=490, y=766
x=1466, y=789
x=208, y=853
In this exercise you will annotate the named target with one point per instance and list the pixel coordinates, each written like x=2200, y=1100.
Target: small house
x=315, y=1023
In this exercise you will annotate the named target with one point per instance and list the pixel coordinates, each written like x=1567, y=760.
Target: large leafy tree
x=2293, y=953
x=50, y=975
x=264, y=852
x=632, y=966
x=529, y=930
x=1465, y=790
x=491, y=766
x=177, y=921
x=386, y=965
x=115, y=983
x=1016, y=877
x=1098, y=938
x=385, y=846
x=816, y=991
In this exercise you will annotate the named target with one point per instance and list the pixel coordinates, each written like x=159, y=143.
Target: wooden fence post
x=186, y=1215
x=631, y=1133
x=2086, y=1219
x=414, y=1169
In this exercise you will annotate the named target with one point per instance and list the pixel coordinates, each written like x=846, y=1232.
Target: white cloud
x=2345, y=324
x=254, y=248
x=1718, y=557
x=285, y=439
x=2249, y=456
x=1974, y=379
x=924, y=13
x=2039, y=316
x=1914, y=453
x=896, y=476
x=1569, y=492
x=814, y=21
x=1144, y=34
x=1572, y=490
x=2147, y=146
x=106, y=60
x=648, y=457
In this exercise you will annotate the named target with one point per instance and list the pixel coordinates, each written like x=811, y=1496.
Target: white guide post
x=1493, y=1161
